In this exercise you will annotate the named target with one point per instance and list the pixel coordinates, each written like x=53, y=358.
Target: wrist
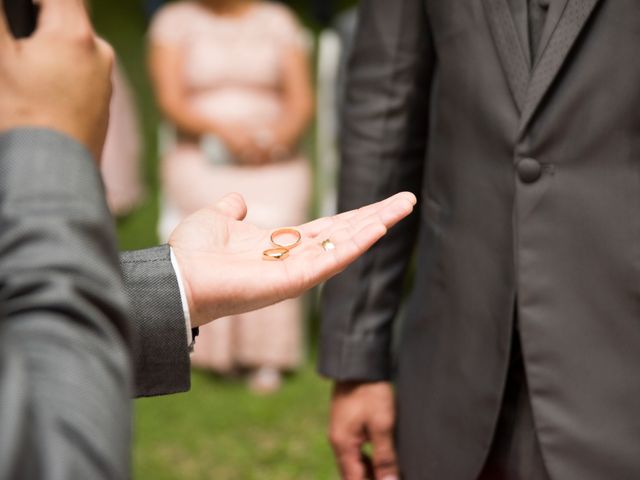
x=349, y=386
x=186, y=294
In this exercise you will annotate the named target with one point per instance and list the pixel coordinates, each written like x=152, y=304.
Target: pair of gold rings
x=282, y=249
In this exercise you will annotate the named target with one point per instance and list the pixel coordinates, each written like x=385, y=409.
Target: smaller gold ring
x=274, y=254
x=328, y=245
x=286, y=231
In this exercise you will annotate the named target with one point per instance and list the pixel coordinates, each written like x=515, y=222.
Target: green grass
x=218, y=430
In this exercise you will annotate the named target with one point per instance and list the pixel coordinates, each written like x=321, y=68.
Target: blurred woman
x=122, y=150
x=233, y=77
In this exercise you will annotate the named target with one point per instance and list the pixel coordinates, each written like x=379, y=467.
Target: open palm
x=220, y=255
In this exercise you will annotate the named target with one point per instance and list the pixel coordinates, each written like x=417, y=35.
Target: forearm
x=297, y=98
x=385, y=126
x=161, y=351
x=64, y=326
x=186, y=120
x=293, y=123
x=65, y=405
x=57, y=241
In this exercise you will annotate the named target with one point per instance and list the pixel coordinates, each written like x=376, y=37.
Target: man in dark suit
x=67, y=319
x=518, y=123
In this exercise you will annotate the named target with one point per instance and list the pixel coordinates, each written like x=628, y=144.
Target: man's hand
x=59, y=78
x=364, y=413
x=220, y=256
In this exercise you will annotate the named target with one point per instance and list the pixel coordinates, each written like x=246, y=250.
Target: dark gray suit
x=529, y=181
x=66, y=318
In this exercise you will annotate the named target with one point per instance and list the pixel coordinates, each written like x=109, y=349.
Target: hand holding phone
x=60, y=78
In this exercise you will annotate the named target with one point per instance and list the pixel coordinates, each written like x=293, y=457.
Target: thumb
x=232, y=205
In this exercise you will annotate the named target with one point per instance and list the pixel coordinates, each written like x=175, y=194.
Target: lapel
x=570, y=18
x=520, y=12
x=514, y=60
x=553, y=17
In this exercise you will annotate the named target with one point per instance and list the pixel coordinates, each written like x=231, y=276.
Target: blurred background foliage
x=218, y=430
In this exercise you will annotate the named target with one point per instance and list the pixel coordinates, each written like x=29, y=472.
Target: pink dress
x=232, y=69
x=122, y=150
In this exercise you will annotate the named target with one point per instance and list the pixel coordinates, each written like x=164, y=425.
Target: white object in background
x=329, y=54
x=169, y=216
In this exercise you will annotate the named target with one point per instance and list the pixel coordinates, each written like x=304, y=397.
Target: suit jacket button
x=529, y=170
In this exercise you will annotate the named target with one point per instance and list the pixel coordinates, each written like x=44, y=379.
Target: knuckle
x=334, y=438
x=384, y=458
x=236, y=198
x=383, y=425
x=337, y=439
x=107, y=51
x=84, y=35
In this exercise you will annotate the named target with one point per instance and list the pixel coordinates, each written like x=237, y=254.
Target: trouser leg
x=515, y=453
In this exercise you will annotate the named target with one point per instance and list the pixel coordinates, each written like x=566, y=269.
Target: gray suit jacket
x=529, y=180
x=65, y=409
x=161, y=351
x=68, y=325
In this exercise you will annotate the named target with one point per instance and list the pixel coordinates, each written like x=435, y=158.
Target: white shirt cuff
x=183, y=298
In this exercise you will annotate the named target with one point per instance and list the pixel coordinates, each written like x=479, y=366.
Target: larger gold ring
x=274, y=254
x=286, y=231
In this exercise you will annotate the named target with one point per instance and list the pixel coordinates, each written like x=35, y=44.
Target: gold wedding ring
x=286, y=231
x=328, y=245
x=282, y=249
x=274, y=254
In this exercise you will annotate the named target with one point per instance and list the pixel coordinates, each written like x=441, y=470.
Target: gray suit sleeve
x=383, y=152
x=64, y=365
x=161, y=351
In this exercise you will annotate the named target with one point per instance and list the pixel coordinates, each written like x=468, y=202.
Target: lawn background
x=217, y=431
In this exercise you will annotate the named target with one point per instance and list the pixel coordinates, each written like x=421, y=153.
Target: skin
x=364, y=413
x=361, y=413
x=59, y=78
x=296, y=95
x=220, y=255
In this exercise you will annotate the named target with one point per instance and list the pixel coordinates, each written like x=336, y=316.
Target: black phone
x=21, y=16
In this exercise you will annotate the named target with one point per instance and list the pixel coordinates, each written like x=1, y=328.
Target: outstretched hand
x=220, y=255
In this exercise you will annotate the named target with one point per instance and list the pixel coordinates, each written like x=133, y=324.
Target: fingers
x=352, y=236
x=345, y=230
x=396, y=211
x=347, y=450
x=385, y=464
x=106, y=53
x=350, y=462
x=70, y=16
x=387, y=216
x=348, y=248
x=361, y=413
x=370, y=473
x=316, y=227
x=5, y=33
x=384, y=207
x=232, y=205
